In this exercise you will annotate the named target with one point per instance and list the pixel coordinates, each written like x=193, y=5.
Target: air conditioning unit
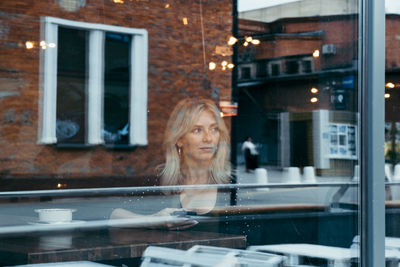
x=328, y=49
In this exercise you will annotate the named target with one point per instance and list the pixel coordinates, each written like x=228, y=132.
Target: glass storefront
x=205, y=133
x=392, y=166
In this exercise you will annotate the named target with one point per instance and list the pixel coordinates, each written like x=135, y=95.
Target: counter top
x=103, y=244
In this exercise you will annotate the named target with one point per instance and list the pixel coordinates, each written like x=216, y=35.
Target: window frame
x=95, y=102
x=372, y=112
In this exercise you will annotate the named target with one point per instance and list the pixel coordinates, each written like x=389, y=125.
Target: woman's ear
x=179, y=144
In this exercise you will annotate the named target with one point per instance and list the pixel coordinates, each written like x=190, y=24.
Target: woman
x=197, y=152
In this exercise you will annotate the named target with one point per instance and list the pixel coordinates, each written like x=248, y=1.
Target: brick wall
x=338, y=30
x=176, y=69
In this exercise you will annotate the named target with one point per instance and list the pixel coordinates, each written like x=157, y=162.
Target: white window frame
x=138, y=81
x=278, y=63
x=309, y=59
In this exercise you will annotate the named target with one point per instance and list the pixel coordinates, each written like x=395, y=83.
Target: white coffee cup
x=56, y=215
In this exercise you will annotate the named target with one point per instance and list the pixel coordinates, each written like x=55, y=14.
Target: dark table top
x=103, y=244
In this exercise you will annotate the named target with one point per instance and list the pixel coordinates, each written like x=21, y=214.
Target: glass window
x=116, y=88
x=302, y=122
x=101, y=85
x=292, y=67
x=71, y=86
x=150, y=132
x=392, y=126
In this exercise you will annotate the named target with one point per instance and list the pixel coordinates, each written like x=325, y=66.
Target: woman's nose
x=206, y=136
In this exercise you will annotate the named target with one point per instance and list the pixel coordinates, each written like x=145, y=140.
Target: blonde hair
x=181, y=120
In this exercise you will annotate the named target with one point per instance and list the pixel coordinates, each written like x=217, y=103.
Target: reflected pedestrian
x=250, y=154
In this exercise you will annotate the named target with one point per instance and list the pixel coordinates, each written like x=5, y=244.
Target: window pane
x=71, y=86
x=300, y=116
x=392, y=125
x=116, y=88
x=288, y=80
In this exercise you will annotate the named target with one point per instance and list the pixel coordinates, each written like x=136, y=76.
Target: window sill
x=74, y=146
x=88, y=146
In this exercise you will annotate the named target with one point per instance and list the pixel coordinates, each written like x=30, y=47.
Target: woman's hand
x=180, y=224
x=168, y=220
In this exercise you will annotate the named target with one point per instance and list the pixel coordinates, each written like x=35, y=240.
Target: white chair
x=159, y=256
x=244, y=257
x=335, y=256
x=207, y=256
x=390, y=242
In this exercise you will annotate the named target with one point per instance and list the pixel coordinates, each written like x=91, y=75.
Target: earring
x=179, y=151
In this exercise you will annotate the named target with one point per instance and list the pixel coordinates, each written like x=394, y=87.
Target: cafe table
x=102, y=244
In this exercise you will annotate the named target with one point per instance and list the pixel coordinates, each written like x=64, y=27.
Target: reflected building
x=301, y=80
x=392, y=96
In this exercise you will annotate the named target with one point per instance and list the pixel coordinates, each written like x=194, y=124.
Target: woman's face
x=200, y=143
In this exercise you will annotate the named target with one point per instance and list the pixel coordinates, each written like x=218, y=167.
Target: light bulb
x=29, y=45
x=390, y=85
x=212, y=65
x=232, y=40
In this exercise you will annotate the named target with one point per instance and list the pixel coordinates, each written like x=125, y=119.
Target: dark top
x=150, y=204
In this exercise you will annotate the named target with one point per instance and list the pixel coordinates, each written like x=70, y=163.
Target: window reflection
x=116, y=88
x=301, y=80
x=71, y=86
x=110, y=74
x=392, y=123
x=100, y=74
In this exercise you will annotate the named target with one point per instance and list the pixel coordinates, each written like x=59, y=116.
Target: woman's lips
x=207, y=149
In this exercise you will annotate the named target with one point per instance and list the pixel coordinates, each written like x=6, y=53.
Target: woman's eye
x=196, y=130
x=215, y=129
